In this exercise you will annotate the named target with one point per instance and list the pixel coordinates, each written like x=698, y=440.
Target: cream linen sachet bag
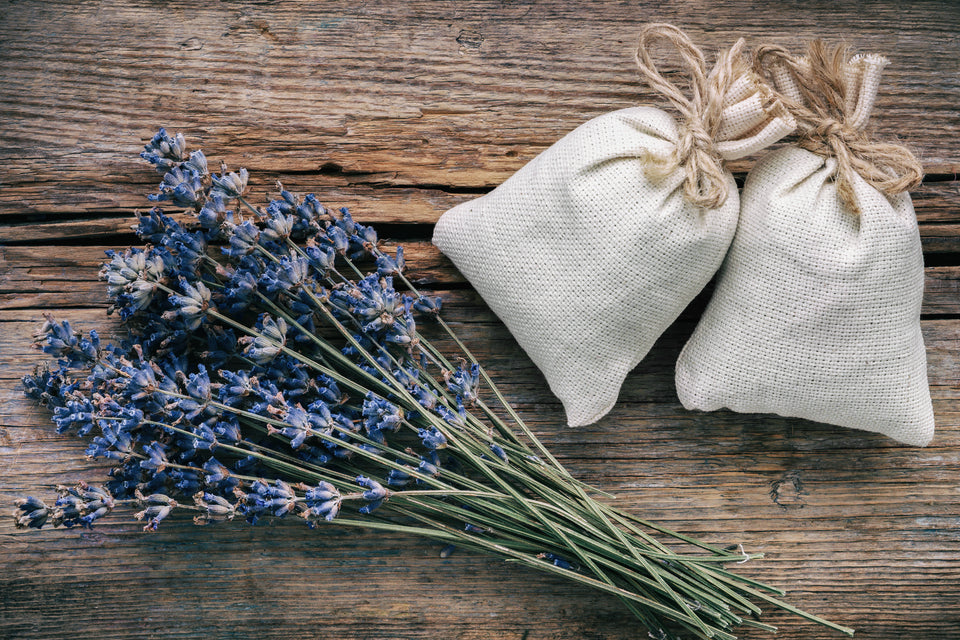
x=816, y=312
x=590, y=251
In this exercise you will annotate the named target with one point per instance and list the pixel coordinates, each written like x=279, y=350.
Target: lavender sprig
x=258, y=381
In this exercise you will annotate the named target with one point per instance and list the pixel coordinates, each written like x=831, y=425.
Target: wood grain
x=39, y=276
x=400, y=94
x=937, y=206
x=400, y=110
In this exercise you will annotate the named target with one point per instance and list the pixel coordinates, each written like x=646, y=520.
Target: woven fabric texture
x=587, y=259
x=816, y=312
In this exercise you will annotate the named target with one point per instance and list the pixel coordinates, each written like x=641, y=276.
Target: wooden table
x=400, y=110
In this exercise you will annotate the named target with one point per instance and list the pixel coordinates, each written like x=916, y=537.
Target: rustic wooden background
x=399, y=110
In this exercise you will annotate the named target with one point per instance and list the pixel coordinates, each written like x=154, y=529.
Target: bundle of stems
x=266, y=375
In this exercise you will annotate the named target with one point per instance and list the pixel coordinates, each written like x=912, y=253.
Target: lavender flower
x=271, y=339
x=158, y=506
x=182, y=186
x=375, y=494
x=214, y=215
x=387, y=266
x=244, y=238
x=164, y=151
x=464, y=381
x=257, y=380
x=323, y=501
x=215, y=507
x=30, y=512
x=229, y=185
x=191, y=305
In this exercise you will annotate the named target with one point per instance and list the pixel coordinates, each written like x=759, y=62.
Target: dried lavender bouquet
x=265, y=375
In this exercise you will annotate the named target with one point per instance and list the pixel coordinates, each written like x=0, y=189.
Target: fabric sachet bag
x=591, y=250
x=816, y=312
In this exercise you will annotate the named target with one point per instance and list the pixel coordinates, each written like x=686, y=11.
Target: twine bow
x=831, y=121
x=705, y=183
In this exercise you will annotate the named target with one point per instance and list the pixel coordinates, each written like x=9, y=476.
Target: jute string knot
x=831, y=121
x=705, y=184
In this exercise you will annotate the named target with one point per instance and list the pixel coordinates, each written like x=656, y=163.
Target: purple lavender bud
x=244, y=238
x=432, y=438
x=370, y=507
x=157, y=459
x=427, y=305
x=154, y=514
x=154, y=226
x=323, y=492
x=262, y=349
x=328, y=391
x=321, y=258
x=215, y=472
x=288, y=275
x=191, y=250
x=499, y=452
x=398, y=478
x=229, y=185
x=428, y=467
x=240, y=291
x=59, y=340
x=404, y=332
x=76, y=413
x=215, y=507
x=88, y=520
x=338, y=239
x=182, y=185
x=228, y=430
x=192, y=305
x=464, y=381
x=198, y=385
x=214, y=214
x=456, y=419
x=558, y=561
x=374, y=490
x=68, y=509
x=278, y=225
x=426, y=398
x=388, y=266
x=366, y=235
x=164, y=151
x=380, y=414
x=327, y=510
x=345, y=221
x=197, y=162
x=186, y=481
x=125, y=270
x=30, y=512
x=166, y=146
x=81, y=505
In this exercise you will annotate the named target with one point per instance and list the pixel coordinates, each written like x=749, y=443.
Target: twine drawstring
x=827, y=116
x=705, y=183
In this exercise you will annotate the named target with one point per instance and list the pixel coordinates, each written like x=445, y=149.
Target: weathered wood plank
x=396, y=583
x=936, y=203
x=42, y=276
x=400, y=94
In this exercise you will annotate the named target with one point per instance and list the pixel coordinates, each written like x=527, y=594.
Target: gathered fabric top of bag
x=831, y=96
x=729, y=113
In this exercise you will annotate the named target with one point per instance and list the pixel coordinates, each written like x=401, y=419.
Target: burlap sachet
x=816, y=312
x=594, y=247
